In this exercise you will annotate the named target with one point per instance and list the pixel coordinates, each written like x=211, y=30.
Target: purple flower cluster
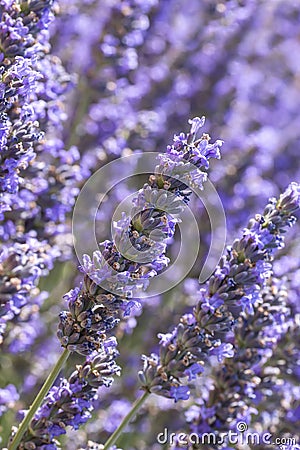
x=8, y=396
x=93, y=310
x=39, y=178
x=233, y=395
x=70, y=403
x=21, y=265
x=234, y=288
x=280, y=375
x=22, y=42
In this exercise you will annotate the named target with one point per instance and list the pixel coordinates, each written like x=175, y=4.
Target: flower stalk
x=38, y=400
x=127, y=419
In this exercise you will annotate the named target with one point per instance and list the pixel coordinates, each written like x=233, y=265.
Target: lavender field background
x=83, y=83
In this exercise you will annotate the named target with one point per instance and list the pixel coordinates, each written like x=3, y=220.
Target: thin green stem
x=38, y=400
x=136, y=406
x=84, y=97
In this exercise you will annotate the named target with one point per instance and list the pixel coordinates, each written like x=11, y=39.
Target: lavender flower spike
x=69, y=403
x=234, y=394
x=233, y=289
x=92, y=310
x=22, y=43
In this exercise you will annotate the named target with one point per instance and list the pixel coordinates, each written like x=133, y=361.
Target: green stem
x=81, y=109
x=38, y=400
x=136, y=406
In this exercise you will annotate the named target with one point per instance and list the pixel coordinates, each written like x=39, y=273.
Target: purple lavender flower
x=232, y=290
x=235, y=383
x=224, y=350
x=20, y=267
x=277, y=394
x=22, y=42
x=179, y=393
x=70, y=403
x=8, y=396
x=38, y=179
x=92, y=310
